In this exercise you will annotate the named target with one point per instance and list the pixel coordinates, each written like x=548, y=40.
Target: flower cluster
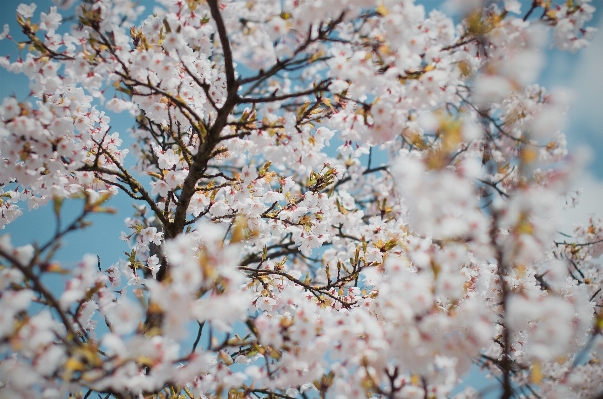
x=347, y=198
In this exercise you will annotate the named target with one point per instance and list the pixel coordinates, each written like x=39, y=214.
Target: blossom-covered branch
x=344, y=199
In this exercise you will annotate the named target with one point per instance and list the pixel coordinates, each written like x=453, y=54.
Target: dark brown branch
x=505, y=362
x=323, y=85
x=206, y=149
x=280, y=65
x=42, y=290
x=366, y=172
x=127, y=178
x=228, y=64
x=584, y=244
x=531, y=10
x=316, y=291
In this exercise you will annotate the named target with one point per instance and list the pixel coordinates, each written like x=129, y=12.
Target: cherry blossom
x=331, y=199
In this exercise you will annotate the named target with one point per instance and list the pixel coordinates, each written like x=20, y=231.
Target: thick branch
x=206, y=149
x=228, y=65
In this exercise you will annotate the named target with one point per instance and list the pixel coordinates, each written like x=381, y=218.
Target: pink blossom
x=25, y=10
